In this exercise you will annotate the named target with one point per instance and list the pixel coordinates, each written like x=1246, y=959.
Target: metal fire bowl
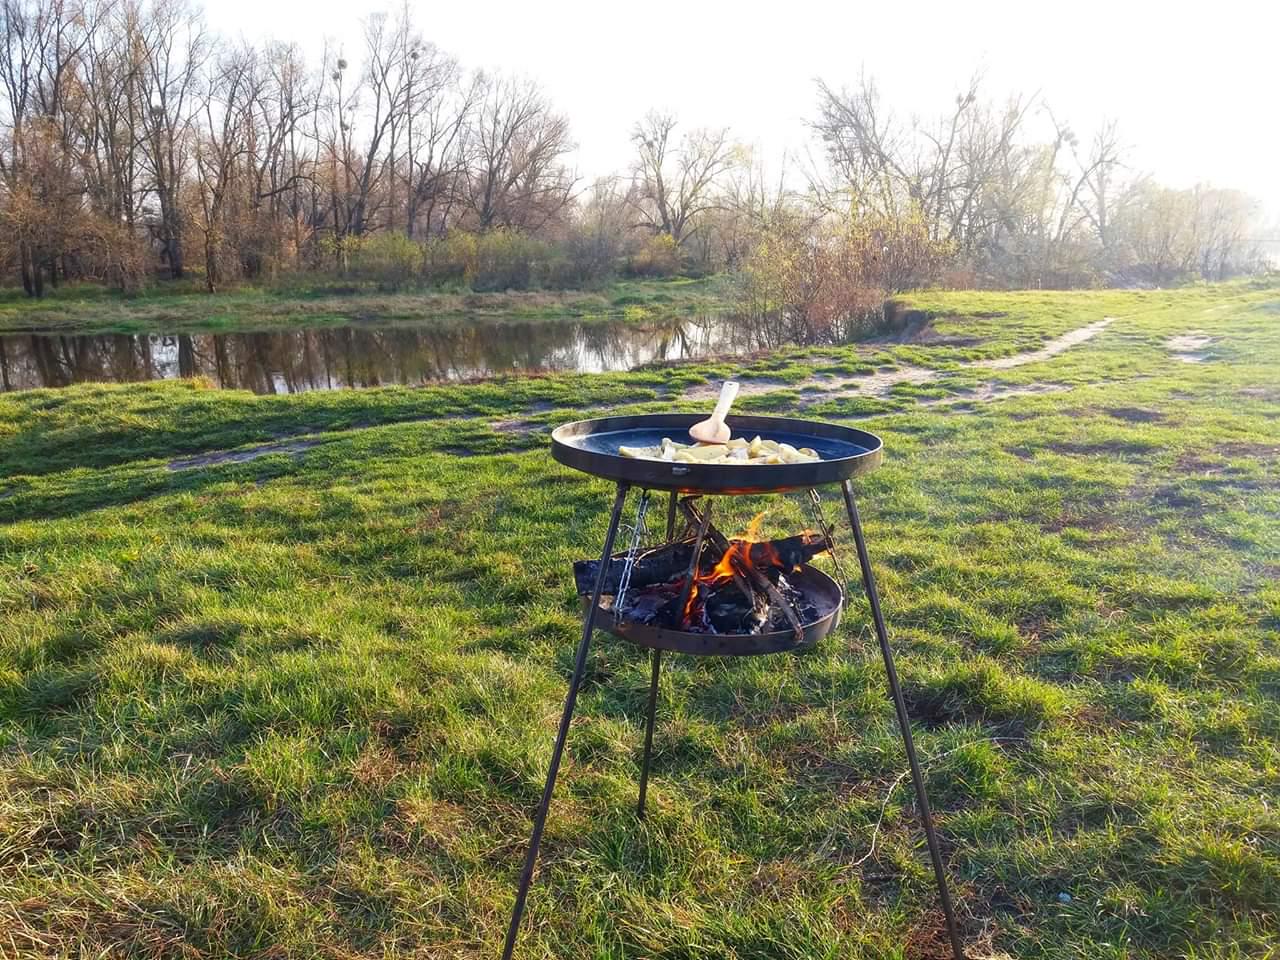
x=592, y=447
x=824, y=591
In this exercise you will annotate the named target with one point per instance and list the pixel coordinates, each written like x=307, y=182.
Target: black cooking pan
x=592, y=447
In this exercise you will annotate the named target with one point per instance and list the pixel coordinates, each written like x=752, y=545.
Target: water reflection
x=363, y=356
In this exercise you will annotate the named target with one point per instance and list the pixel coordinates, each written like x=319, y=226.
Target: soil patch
x=519, y=427
x=1256, y=451
x=290, y=447
x=1172, y=498
x=1135, y=414
x=1104, y=446
x=1189, y=347
x=1094, y=522
x=989, y=392
x=746, y=388
x=879, y=384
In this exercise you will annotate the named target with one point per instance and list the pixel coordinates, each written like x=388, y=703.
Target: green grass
x=302, y=706
x=186, y=308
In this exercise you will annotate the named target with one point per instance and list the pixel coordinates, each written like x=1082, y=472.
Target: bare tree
x=516, y=176
x=282, y=184
x=945, y=172
x=599, y=234
x=173, y=48
x=675, y=182
x=109, y=120
x=221, y=147
x=127, y=131
x=440, y=108
x=750, y=203
x=393, y=49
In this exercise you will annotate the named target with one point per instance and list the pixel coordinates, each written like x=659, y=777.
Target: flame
x=737, y=557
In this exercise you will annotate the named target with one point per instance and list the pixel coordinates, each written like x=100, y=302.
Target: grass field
x=187, y=308
x=301, y=705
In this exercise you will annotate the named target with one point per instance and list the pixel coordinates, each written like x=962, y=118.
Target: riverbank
x=187, y=308
x=285, y=670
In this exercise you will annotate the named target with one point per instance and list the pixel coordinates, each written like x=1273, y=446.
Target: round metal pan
x=592, y=447
x=810, y=579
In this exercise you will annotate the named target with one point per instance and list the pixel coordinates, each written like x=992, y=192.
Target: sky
x=1194, y=87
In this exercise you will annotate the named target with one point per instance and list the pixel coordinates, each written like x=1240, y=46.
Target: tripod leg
x=904, y=722
x=656, y=659
x=656, y=656
x=579, y=668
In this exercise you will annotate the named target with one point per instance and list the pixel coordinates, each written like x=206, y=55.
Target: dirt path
x=1049, y=350
x=880, y=384
x=243, y=455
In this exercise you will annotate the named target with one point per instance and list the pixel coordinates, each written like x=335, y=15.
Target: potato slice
x=710, y=451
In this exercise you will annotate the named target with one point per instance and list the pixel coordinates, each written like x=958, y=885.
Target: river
x=366, y=355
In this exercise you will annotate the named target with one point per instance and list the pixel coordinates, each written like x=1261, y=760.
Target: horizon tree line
x=134, y=144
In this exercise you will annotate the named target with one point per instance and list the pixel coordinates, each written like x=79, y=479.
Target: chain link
x=815, y=501
x=638, y=533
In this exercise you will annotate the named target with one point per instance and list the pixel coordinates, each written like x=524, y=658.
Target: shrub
x=830, y=278
x=390, y=259
x=501, y=259
x=659, y=257
x=451, y=258
x=507, y=260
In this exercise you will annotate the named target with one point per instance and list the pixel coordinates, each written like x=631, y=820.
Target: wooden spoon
x=714, y=429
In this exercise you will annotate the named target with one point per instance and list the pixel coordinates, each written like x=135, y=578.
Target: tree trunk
x=24, y=259
x=186, y=356
x=176, y=270
x=210, y=262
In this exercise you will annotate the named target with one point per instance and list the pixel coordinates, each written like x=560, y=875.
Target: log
x=766, y=555
x=656, y=565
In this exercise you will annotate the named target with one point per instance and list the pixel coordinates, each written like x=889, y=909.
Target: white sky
x=1194, y=86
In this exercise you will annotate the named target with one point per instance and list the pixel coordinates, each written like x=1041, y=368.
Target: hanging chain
x=815, y=501
x=638, y=533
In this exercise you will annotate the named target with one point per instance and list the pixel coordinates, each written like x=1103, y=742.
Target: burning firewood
x=737, y=557
x=734, y=588
x=672, y=559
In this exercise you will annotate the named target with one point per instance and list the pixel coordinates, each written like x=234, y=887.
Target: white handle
x=727, y=395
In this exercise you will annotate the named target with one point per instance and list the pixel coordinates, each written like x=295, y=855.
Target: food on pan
x=738, y=451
